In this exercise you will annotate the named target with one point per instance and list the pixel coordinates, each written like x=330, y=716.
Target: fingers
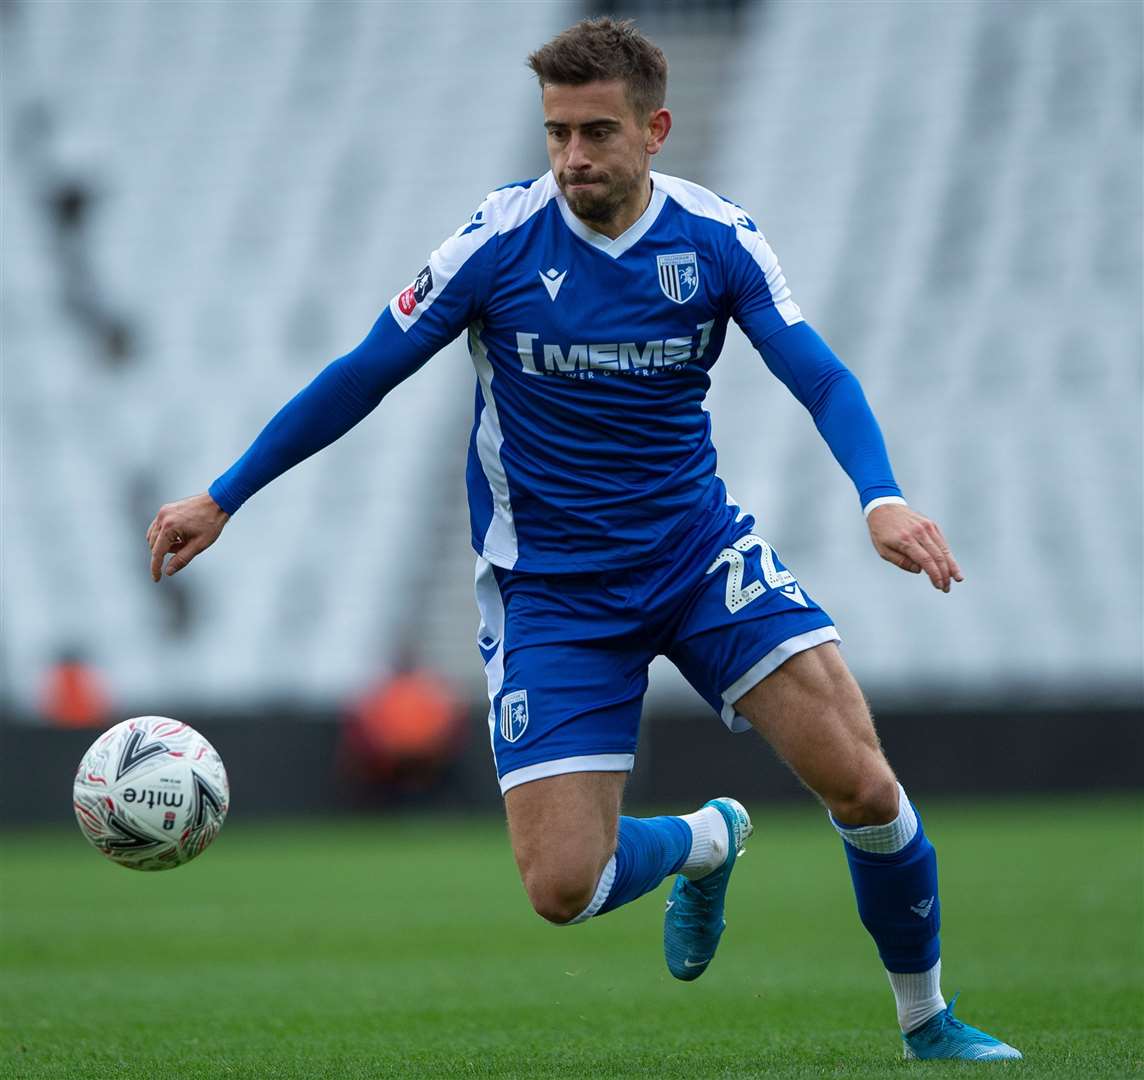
x=954, y=569
x=905, y=563
x=164, y=540
x=927, y=547
x=183, y=556
x=936, y=544
x=933, y=563
x=159, y=550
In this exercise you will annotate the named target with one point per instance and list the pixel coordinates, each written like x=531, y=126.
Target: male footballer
x=595, y=301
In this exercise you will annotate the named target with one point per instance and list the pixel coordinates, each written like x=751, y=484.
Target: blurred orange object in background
x=73, y=694
x=406, y=727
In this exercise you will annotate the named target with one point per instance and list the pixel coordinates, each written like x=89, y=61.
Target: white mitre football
x=151, y=793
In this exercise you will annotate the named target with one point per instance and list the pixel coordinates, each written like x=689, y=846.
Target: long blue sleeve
x=341, y=395
x=834, y=398
x=444, y=298
x=763, y=307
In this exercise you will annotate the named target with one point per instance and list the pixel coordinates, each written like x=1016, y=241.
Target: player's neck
x=627, y=215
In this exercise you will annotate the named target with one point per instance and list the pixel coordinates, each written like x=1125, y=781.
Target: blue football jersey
x=590, y=443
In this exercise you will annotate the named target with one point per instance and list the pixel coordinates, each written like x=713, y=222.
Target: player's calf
x=646, y=851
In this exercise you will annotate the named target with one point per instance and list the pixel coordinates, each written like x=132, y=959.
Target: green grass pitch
x=407, y=948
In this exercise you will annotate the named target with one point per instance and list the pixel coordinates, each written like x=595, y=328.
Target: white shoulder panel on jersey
x=411, y=303
x=514, y=205
x=698, y=200
x=502, y=211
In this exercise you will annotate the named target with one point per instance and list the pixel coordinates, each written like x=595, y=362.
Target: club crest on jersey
x=678, y=275
x=513, y=715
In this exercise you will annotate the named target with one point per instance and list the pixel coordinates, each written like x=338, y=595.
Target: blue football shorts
x=567, y=655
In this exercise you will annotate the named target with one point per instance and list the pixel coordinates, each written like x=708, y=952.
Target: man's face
x=598, y=147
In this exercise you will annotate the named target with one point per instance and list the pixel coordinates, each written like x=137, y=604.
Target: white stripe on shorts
x=586, y=763
x=778, y=656
x=490, y=632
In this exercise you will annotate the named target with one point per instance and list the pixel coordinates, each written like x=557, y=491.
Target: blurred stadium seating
x=203, y=203
x=955, y=193
x=265, y=177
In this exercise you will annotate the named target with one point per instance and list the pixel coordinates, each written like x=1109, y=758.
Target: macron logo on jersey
x=633, y=357
x=552, y=280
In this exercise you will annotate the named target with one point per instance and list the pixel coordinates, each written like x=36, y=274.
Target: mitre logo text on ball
x=150, y=798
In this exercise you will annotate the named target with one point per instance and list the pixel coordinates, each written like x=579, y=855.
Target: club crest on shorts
x=678, y=275
x=513, y=715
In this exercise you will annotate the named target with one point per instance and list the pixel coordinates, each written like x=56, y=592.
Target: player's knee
x=869, y=798
x=560, y=897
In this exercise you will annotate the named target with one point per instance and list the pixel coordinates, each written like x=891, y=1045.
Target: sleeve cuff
x=222, y=498
x=884, y=500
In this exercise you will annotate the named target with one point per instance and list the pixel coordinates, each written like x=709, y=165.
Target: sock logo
x=922, y=908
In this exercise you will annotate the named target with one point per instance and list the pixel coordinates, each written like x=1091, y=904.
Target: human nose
x=577, y=153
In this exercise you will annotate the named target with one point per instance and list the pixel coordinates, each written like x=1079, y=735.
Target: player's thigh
x=811, y=710
x=763, y=653
x=563, y=828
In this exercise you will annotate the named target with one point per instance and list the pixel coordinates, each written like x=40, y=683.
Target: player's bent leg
x=579, y=858
x=563, y=833
x=812, y=712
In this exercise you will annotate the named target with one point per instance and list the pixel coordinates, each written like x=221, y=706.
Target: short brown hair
x=600, y=50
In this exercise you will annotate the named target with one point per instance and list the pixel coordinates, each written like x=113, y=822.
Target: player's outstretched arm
x=910, y=540
x=183, y=530
x=834, y=398
x=832, y=395
x=443, y=299
x=342, y=395
x=339, y=397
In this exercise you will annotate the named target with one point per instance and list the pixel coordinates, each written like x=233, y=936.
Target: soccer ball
x=151, y=793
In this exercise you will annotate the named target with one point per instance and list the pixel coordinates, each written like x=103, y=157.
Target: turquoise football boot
x=693, y=922
x=944, y=1036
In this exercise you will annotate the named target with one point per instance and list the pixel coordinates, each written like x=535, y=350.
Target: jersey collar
x=627, y=239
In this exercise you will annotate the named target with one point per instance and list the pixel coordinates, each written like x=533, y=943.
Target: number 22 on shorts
x=739, y=597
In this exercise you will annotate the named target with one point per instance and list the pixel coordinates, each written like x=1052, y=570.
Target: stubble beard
x=598, y=207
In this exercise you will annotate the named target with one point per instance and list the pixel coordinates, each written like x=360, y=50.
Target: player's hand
x=182, y=530
x=913, y=542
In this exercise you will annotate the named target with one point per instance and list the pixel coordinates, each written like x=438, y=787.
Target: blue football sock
x=649, y=849
x=894, y=870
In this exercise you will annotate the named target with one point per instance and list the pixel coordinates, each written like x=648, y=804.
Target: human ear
x=659, y=124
